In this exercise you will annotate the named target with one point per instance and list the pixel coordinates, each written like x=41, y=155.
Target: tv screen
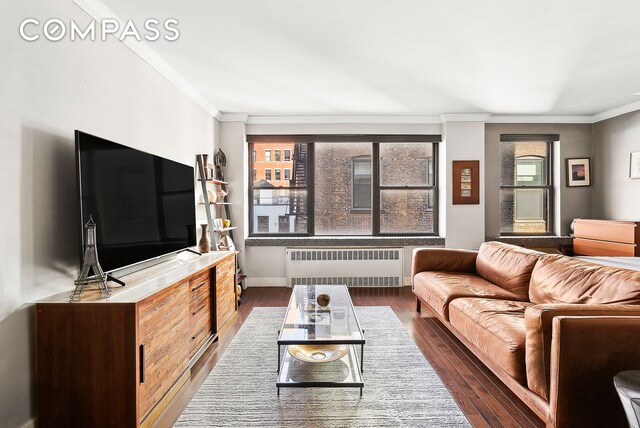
x=143, y=205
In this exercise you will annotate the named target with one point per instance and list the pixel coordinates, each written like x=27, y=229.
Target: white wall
x=463, y=225
x=49, y=90
x=575, y=142
x=615, y=195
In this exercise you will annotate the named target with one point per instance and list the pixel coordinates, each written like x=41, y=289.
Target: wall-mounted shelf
x=213, y=181
x=215, y=203
x=224, y=229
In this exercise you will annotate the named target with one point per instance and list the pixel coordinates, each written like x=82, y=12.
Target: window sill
x=345, y=241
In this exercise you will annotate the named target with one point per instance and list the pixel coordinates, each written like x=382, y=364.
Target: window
x=267, y=155
x=526, y=190
x=283, y=224
x=349, y=185
x=255, y=174
x=277, y=155
x=254, y=155
x=287, y=155
x=361, y=183
x=263, y=224
x=288, y=200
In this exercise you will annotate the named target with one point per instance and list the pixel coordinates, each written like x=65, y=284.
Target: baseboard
x=266, y=282
x=282, y=282
x=31, y=423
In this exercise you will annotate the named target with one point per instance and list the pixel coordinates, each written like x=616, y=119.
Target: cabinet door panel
x=163, y=343
x=225, y=291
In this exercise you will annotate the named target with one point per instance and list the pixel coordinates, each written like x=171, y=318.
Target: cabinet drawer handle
x=197, y=334
x=142, y=363
x=197, y=287
x=199, y=309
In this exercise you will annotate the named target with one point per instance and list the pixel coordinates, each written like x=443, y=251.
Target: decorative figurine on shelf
x=90, y=261
x=203, y=244
x=220, y=160
x=221, y=194
x=205, y=163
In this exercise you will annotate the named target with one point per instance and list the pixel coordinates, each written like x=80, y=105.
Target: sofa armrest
x=538, y=321
x=443, y=260
x=586, y=354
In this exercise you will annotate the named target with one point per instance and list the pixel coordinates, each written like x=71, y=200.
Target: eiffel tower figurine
x=90, y=262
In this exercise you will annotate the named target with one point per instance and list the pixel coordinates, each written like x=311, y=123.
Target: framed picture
x=466, y=182
x=578, y=172
x=634, y=166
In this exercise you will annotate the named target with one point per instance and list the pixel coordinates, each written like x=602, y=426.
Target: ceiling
x=403, y=57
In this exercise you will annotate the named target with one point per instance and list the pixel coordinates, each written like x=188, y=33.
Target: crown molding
x=539, y=119
x=233, y=117
x=456, y=117
x=618, y=111
x=281, y=120
x=99, y=11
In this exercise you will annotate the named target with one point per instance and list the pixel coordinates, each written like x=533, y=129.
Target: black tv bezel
x=129, y=267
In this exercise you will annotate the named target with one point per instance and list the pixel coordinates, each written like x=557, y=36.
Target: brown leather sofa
x=554, y=329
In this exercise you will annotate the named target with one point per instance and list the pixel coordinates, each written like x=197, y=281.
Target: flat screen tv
x=143, y=205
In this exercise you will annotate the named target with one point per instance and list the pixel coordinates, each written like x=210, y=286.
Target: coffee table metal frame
x=351, y=356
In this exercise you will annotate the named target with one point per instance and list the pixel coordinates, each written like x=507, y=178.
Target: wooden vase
x=204, y=239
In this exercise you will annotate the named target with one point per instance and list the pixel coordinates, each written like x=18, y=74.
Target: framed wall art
x=578, y=172
x=634, y=165
x=466, y=182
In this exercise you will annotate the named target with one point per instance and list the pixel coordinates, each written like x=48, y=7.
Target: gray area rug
x=401, y=388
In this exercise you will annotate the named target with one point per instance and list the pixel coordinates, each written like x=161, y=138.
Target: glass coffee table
x=320, y=342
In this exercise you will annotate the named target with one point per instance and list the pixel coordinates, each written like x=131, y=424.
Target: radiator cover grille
x=354, y=267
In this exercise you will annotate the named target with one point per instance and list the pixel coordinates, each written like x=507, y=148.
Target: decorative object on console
x=203, y=244
x=578, y=172
x=226, y=222
x=220, y=160
x=634, y=165
x=99, y=278
x=323, y=300
x=466, y=182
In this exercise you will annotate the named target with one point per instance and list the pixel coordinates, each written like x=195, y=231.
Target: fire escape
x=297, y=203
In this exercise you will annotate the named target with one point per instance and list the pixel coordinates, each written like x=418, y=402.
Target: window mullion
x=375, y=193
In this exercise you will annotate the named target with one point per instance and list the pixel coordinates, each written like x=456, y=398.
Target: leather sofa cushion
x=507, y=266
x=438, y=289
x=496, y=327
x=568, y=280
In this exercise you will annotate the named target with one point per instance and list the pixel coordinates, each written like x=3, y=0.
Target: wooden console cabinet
x=118, y=362
x=606, y=238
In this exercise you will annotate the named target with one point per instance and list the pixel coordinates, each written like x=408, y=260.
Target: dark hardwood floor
x=480, y=395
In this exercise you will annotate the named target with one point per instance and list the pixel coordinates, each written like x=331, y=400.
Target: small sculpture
x=90, y=262
x=219, y=160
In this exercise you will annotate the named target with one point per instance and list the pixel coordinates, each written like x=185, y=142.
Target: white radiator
x=354, y=267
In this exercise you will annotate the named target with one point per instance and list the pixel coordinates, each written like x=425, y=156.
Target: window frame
x=287, y=158
x=277, y=174
x=284, y=174
x=277, y=155
x=265, y=174
x=267, y=158
x=548, y=165
x=376, y=188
